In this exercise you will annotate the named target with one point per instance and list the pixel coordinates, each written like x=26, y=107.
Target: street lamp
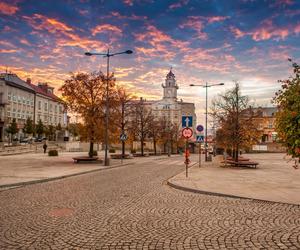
x=107, y=55
x=206, y=86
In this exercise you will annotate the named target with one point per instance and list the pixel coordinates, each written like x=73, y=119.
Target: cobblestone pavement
x=131, y=208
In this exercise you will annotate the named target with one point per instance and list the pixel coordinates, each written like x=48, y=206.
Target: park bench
x=241, y=163
x=119, y=156
x=84, y=159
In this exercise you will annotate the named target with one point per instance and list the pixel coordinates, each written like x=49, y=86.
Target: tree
x=85, y=95
x=74, y=128
x=39, y=129
x=288, y=115
x=50, y=132
x=141, y=124
x=13, y=128
x=28, y=126
x=122, y=111
x=236, y=128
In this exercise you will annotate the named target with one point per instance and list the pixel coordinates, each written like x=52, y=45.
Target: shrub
x=133, y=151
x=112, y=150
x=53, y=152
x=95, y=153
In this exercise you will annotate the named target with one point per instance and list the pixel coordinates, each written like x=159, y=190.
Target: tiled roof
x=14, y=79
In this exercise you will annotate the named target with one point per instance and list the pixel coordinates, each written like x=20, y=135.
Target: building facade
x=169, y=107
x=265, y=120
x=21, y=100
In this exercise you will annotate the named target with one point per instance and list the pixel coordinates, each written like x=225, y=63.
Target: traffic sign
x=200, y=128
x=187, y=133
x=187, y=121
x=123, y=137
x=200, y=138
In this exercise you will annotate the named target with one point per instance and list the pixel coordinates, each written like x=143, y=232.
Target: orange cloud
x=214, y=19
x=195, y=23
x=8, y=50
x=40, y=22
x=267, y=31
x=106, y=28
x=64, y=34
x=8, y=9
x=161, y=44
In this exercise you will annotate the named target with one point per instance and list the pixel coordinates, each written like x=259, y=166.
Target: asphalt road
x=131, y=207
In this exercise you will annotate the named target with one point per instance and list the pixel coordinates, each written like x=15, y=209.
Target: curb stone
x=197, y=191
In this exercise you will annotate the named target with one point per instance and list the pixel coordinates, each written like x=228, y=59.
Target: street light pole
x=206, y=92
x=107, y=55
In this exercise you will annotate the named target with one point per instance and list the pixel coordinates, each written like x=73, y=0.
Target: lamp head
x=129, y=51
x=222, y=83
x=88, y=53
x=192, y=85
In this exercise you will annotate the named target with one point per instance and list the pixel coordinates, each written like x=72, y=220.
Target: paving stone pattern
x=132, y=208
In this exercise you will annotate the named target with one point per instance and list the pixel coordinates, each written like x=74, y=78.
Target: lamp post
x=107, y=55
x=206, y=86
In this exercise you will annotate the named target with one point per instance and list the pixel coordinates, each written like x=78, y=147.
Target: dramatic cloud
x=249, y=41
x=267, y=30
x=106, y=28
x=8, y=9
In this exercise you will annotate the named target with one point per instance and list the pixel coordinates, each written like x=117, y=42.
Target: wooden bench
x=119, y=156
x=84, y=159
x=241, y=163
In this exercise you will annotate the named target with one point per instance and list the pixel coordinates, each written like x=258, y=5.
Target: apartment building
x=21, y=100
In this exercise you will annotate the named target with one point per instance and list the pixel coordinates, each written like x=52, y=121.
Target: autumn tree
x=288, y=115
x=85, y=95
x=141, y=122
x=236, y=128
x=122, y=110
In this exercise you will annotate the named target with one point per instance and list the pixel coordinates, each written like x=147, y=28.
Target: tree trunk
x=142, y=146
x=91, y=144
x=154, y=145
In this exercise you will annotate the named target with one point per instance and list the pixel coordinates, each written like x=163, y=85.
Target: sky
x=202, y=40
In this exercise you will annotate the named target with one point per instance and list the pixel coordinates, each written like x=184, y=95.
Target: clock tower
x=170, y=87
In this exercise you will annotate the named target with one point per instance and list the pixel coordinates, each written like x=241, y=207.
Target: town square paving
x=132, y=208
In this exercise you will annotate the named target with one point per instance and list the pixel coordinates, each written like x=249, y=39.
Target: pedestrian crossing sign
x=200, y=138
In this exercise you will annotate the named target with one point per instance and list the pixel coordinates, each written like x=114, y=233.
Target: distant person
x=45, y=147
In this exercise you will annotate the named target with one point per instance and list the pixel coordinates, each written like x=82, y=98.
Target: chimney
x=28, y=81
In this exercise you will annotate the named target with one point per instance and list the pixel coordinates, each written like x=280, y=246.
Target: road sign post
x=199, y=139
x=123, y=138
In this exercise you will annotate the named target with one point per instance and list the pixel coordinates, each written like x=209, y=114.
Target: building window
x=39, y=105
x=270, y=125
x=9, y=96
x=14, y=98
x=46, y=106
x=55, y=109
x=50, y=107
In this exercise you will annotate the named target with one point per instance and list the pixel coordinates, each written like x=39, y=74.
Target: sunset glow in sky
x=203, y=40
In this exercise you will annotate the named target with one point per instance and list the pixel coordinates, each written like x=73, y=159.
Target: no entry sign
x=187, y=133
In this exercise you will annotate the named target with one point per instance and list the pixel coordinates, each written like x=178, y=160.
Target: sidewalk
x=20, y=169
x=273, y=180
